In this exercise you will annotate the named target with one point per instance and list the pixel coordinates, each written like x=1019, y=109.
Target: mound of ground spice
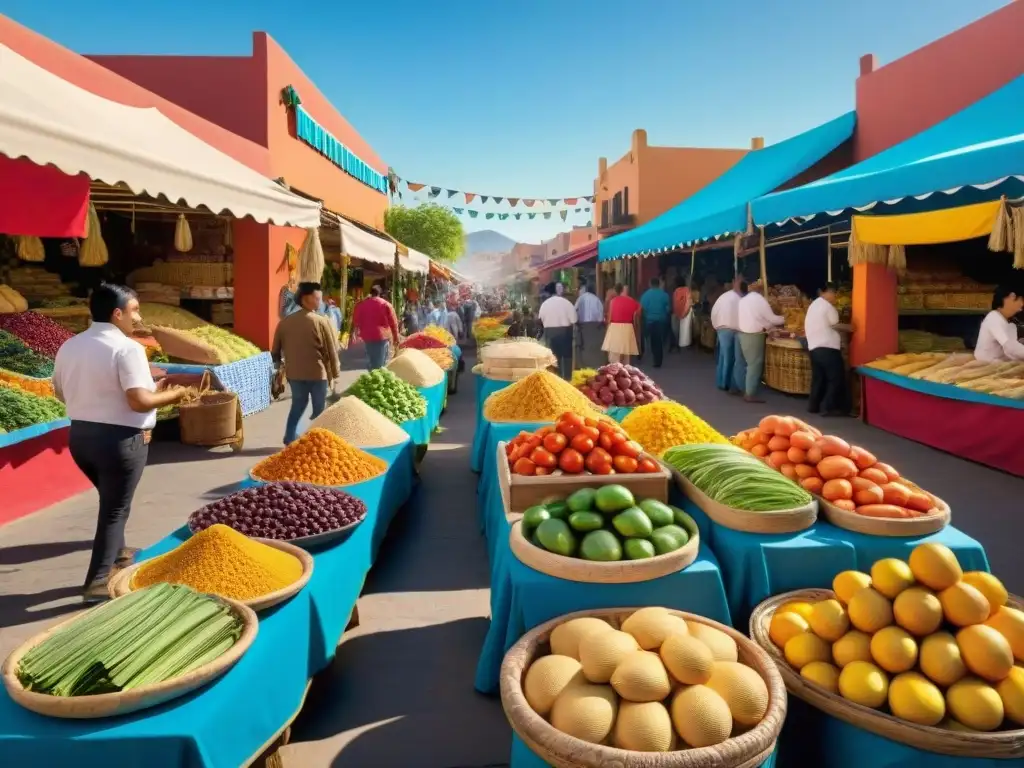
x=541, y=396
x=353, y=420
x=320, y=457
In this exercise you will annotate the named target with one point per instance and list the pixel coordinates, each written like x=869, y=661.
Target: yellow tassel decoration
x=93, y=251
x=865, y=253
x=897, y=258
x=1001, y=237
x=30, y=248
x=182, y=235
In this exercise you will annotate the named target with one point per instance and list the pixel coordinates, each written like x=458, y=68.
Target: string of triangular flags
x=434, y=193
x=563, y=213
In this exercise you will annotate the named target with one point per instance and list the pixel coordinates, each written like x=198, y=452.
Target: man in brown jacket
x=307, y=342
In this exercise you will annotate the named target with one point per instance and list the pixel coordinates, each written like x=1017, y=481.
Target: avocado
x=582, y=500
x=683, y=520
x=613, y=498
x=556, y=537
x=669, y=538
x=639, y=549
x=660, y=514
x=633, y=523
x=585, y=521
x=535, y=541
x=557, y=509
x=533, y=517
x=601, y=546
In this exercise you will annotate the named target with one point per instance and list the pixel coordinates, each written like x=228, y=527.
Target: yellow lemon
x=964, y=605
x=918, y=611
x=848, y=583
x=804, y=648
x=863, y=683
x=822, y=673
x=800, y=607
x=991, y=587
x=952, y=725
x=976, y=704
x=891, y=576
x=1009, y=622
x=1011, y=691
x=853, y=646
x=870, y=611
x=935, y=566
x=784, y=626
x=941, y=660
x=985, y=652
x=915, y=698
x=894, y=649
x=829, y=620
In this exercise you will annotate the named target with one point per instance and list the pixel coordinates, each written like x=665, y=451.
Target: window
x=554, y=251
x=616, y=207
x=604, y=213
x=625, y=201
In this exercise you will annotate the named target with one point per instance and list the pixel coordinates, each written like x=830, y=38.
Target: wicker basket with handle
x=1005, y=745
x=560, y=750
x=787, y=366
x=215, y=418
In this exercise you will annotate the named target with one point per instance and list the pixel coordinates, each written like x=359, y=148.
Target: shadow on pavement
x=16, y=610
x=23, y=554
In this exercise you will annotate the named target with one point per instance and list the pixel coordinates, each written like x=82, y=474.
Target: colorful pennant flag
x=547, y=214
x=498, y=199
x=513, y=201
x=452, y=193
x=413, y=187
x=483, y=198
x=434, y=192
x=517, y=215
x=489, y=216
x=473, y=214
x=553, y=201
x=563, y=213
x=458, y=211
x=470, y=196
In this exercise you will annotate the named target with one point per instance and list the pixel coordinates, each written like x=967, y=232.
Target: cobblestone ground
x=400, y=693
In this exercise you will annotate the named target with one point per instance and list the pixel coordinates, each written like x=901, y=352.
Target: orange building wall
x=580, y=236
x=669, y=175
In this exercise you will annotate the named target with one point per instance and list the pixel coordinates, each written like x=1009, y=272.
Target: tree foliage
x=429, y=228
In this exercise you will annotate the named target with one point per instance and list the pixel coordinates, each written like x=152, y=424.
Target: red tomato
x=625, y=464
x=598, y=462
x=592, y=432
x=646, y=465
x=628, y=448
x=602, y=468
x=605, y=426
x=524, y=467
x=569, y=430
x=619, y=437
x=555, y=442
x=543, y=471
x=509, y=448
x=545, y=431
x=543, y=458
x=571, y=418
x=603, y=455
x=571, y=461
x=534, y=441
x=583, y=444
x=605, y=441
x=590, y=422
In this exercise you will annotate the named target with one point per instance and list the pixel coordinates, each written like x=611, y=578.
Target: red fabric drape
x=987, y=434
x=41, y=200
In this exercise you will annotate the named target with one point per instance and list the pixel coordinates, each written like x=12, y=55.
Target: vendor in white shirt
x=829, y=393
x=103, y=378
x=755, y=319
x=558, y=316
x=997, y=339
x=730, y=370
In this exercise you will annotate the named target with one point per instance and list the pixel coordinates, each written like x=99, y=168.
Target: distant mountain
x=487, y=241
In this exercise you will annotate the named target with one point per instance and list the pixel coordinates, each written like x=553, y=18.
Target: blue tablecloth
x=523, y=598
x=756, y=566
x=619, y=412
x=435, y=397
x=27, y=433
x=456, y=352
x=231, y=721
x=522, y=757
x=484, y=388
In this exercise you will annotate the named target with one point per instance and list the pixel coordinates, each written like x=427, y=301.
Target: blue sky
x=520, y=98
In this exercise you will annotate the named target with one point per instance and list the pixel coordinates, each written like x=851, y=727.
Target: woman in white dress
x=997, y=339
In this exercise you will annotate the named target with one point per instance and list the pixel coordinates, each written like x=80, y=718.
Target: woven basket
x=121, y=584
x=112, y=704
x=559, y=750
x=776, y=521
x=787, y=367
x=875, y=526
x=1006, y=745
x=707, y=333
x=214, y=419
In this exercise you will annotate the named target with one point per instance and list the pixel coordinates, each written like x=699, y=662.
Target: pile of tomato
x=576, y=445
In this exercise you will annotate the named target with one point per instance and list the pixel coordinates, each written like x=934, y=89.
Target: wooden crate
x=520, y=492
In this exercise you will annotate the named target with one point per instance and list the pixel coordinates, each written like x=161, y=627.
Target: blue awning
x=720, y=208
x=981, y=146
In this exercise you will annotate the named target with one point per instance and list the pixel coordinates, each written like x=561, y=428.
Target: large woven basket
x=775, y=521
x=559, y=750
x=214, y=419
x=874, y=526
x=111, y=704
x=787, y=367
x=1006, y=745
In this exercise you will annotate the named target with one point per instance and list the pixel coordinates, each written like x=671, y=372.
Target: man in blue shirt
x=657, y=310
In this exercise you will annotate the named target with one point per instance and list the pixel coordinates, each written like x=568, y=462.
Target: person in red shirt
x=373, y=319
x=620, y=338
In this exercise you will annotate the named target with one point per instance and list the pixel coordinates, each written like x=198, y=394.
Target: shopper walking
x=558, y=316
x=103, y=378
x=453, y=324
x=620, y=338
x=730, y=369
x=590, y=313
x=682, y=317
x=375, y=323
x=756, y=318
x=829, y=389
x=304, y=340
x=657, y=312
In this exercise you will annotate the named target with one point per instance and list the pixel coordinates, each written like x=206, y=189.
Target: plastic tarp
x=416, y=262
x=573, y=258
x=720, y=208
x=360, y=244
x=981, y=146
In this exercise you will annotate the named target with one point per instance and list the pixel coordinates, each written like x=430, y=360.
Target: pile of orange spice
x=541, y=396
x=320, y=457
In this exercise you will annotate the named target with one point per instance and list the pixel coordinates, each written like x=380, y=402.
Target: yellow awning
x=928, y=228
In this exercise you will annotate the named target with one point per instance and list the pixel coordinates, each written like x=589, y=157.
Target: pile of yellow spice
x=541, y=396
x=664, y=424
x=320, y=457
x=221, y=561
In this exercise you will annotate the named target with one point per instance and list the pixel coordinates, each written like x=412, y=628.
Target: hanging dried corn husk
x=311, y=258
x=30, y=248
x=897, y=258
x=865, y=253
x=93, y=251
x=182, y=235
x=1018, y=236
x=1001, y=237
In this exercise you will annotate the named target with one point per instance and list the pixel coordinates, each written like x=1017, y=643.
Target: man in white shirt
x=453, y=324
x=558, y=316
x=590, y=315
x=997, y=337
x=828, y=372
x=755, y=318
x=730, y=370
x=103, y=378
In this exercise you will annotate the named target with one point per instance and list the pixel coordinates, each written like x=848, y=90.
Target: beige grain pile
x=353, y=420
x=414, y=367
